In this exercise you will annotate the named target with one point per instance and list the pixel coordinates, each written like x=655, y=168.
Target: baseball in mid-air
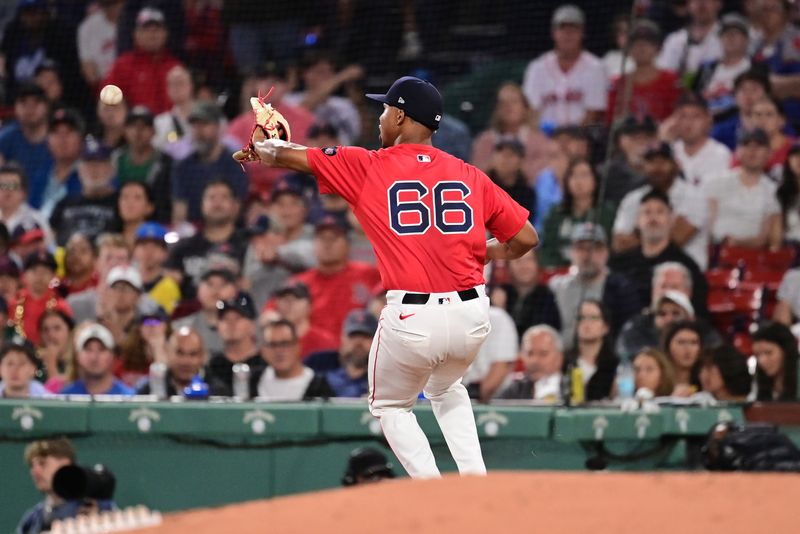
x=111, y=95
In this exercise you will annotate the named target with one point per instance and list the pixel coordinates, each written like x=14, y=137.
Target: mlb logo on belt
x=423, y=158
x=445, y=300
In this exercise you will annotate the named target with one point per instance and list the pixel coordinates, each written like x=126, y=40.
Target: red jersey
x=333, y=296
x=425, y=212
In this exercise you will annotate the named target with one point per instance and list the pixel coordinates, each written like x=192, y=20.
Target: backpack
x=734, y=446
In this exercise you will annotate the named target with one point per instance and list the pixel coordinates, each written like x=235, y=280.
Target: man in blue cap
x=426, y=214
x=150, y=254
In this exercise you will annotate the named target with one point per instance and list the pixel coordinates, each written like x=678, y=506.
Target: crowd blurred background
x=653, y=143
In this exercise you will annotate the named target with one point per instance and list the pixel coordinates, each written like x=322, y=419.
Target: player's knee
x=435, y=394
x=380, y=408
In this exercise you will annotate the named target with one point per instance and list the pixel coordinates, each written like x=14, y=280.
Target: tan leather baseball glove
x=269, y=124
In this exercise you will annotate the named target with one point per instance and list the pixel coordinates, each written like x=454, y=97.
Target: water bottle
x=241, y=381
x=626, y=386
x=158, y=380
x=578, y=388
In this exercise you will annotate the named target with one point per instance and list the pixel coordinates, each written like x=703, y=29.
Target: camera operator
x=45, y=458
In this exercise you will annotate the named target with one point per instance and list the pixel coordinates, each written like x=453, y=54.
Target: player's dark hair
x=655, y=194
x=566, y=204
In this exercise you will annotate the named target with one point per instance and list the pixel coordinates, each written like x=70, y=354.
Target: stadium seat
x=739, y=307
x=731, y=256
x=780, y=260
x=721, y=278
x=769, y=278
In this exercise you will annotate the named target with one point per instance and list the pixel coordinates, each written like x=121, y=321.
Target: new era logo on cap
x=400, y=100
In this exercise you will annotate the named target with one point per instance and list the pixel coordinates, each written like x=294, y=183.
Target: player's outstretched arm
x=283, y=154
x=522, y=242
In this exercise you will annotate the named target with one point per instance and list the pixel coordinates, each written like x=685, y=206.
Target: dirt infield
x=530, y=502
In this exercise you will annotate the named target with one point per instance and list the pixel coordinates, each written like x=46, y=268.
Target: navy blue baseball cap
x=94, y=150
x=331, y=222
x=419, y=99
x=242, y=304
x=360, y=322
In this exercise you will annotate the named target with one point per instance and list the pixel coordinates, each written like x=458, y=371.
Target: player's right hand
x=267, y=150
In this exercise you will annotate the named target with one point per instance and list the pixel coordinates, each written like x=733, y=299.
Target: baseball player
x=426, y=214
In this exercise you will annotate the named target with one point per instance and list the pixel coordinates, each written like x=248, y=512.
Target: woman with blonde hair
x=652, y=370
x=512, y=118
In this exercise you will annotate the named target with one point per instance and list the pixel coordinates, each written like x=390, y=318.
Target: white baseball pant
x=428, y=347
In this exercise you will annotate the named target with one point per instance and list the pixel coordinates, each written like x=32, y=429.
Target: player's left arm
x=283, y=154
x=524, y=240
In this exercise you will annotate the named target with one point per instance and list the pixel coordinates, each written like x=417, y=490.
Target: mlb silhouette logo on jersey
x=423, y=158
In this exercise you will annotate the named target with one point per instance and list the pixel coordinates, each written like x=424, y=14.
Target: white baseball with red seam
x=111, y=95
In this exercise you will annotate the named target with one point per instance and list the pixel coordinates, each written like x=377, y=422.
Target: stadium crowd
x=663, y=177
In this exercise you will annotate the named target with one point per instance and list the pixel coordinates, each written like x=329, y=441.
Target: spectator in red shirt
x=654, y=90
x=337, y=285
x=36, y=296
x=142, y=72
x=293, y=303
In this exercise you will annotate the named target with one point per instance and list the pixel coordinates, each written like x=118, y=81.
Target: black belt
x=422, y=298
